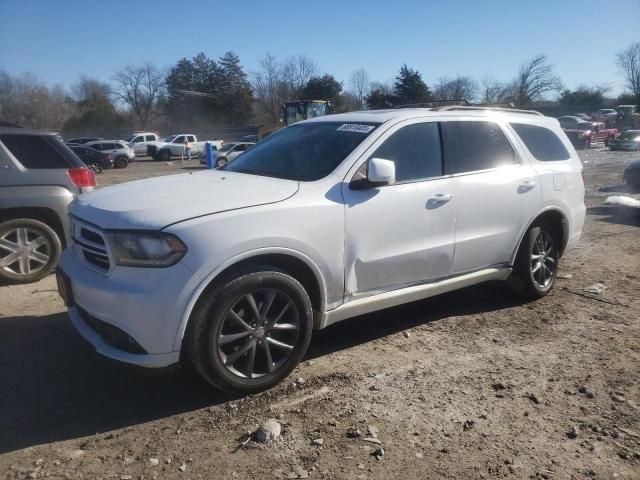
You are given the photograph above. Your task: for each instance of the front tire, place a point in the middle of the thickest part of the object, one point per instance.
(165, 155)
(221, 162)
(29, 250)
(121, 162)
(536, 266)
(250, 330)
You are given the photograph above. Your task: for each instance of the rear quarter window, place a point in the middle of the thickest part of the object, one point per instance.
(543, 143)
(37, 151)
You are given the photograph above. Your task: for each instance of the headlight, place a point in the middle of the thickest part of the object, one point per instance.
(146, 249)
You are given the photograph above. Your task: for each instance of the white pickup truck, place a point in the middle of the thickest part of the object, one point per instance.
(173, 146)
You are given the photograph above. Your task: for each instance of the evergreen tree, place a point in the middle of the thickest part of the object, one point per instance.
(234, 90)
(410, 88)
(323, 88)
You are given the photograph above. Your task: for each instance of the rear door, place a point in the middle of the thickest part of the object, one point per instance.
(495, 192)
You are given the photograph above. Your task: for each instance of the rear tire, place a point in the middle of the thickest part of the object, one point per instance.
(536, 266)
(29, 250)
(121, 162)
(244, 349)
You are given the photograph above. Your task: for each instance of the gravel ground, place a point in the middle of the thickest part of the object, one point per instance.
(472, 384)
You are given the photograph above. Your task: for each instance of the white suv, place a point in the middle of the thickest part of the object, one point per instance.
(326, 219)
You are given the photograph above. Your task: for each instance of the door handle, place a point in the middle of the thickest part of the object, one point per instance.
(526, 186)
(441, 197)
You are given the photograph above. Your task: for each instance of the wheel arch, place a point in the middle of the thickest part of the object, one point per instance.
(295, 263)
(554, 217)
(42, 214)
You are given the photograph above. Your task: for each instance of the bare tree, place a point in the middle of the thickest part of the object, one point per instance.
(359, 85)
(490, 90)
(269, 88)
(139, 87)
(459, 88)
(296, 72)
(535, 79)
(27, 101)
(629, 62)
(87, 89)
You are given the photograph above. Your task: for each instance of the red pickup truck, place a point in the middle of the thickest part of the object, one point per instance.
(583, 134)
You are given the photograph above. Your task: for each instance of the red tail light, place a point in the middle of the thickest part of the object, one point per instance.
(82, 177)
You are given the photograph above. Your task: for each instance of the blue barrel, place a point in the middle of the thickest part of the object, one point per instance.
(208, 151)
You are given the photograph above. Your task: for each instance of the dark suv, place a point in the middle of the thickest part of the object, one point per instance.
(39, 176)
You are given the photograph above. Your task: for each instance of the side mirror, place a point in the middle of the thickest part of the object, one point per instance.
(381, 172)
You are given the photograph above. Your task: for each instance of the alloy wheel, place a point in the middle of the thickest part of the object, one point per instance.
(24, 251)
(258, 333)
(543, 260)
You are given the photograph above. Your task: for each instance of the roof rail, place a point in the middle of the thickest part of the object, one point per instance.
(499, 109)
(434, 103)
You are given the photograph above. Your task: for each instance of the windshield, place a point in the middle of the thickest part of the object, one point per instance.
(305, 152)
(169, 139)
(227, 147)
(630, 135)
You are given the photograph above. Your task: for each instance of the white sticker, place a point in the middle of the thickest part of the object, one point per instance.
(355, 127)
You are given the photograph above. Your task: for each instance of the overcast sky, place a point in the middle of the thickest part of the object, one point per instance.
(59, 40)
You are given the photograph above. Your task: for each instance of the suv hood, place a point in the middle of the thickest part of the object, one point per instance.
(157, 202)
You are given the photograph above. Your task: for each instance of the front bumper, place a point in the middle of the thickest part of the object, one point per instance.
(146, 360)
(146, 304)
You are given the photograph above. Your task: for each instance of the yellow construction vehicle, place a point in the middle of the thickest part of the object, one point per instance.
(296, 111)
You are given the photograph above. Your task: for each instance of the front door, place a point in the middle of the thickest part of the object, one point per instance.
(403, 233)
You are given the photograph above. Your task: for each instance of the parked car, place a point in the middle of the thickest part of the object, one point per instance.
(629, 140)
(570, 121)
(82, 140)
(138, 141)
(95, 160)
(121, 153)
(228, 153)
(584, 116)
(250, 138)
(583, 134)
(39, 176)
(631, 174)
(607, 115)
(173, 146)
(326, 219)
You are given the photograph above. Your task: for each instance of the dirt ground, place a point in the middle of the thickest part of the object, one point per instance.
(469, 385)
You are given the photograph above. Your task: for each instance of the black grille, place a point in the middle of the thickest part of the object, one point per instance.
(111, 335)
(151, 150)
(92, 236)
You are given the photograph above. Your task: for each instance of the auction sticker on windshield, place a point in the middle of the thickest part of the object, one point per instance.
(355, 127)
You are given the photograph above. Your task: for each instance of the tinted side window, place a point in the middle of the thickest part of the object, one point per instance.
(543, 144)
(191, 138)
(415, 149)
(179, 139)
(138, 140)
(34, 151)
(473, 146)
(96, 146)
(149, 138)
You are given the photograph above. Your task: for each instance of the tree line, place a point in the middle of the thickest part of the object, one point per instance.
(203, 91)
